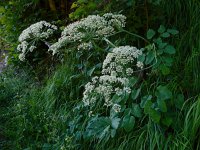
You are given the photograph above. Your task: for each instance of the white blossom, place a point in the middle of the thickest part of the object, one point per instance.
(93, 26)
(116, 108)
(28, 38)
(140, 64)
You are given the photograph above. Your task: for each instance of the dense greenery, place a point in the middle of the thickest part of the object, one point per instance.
(95, 82)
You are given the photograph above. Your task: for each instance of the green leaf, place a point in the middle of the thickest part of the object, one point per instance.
(155, 116)
(127, 111)
(115, 122)
(128, 123)
(136, 110)
(164, 69)
(116, 99)
(162, 45)
(169, 49)
(132, 81)
(113, 133)
(179, 101)
(144, 100)
(172, 31)
(161, 29)
(167, 121)
(163, 92)
(162, 105)
(168, 60)
(135, 94)
(141, 58)
(90, 72)
(165, 35)
(149, 57)
(150, 34)
(148, 106)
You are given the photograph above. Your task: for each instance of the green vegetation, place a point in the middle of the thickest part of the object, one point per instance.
(100, 75)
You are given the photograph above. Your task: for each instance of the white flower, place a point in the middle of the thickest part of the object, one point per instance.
(21, 57)
(39, 31)
(140, 64)
(129, 71)
(85, 46)
(116, 108)
(93, 26)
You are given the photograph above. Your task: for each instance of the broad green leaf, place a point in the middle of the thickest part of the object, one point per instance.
(136, 110)
(167, 121)
(115, 122)
(98, 127)
(127, 111)
(163, 92)
(128, 123)
(149, 57)
(172, 31)
(132, 81)
(135, 94)
(168, 60)
(144, 100)
(141, 58)
(150, 34)
(161, 29)
(90, 72)
(162, 45)
(148, 106)
(116, 98)
(165, 35)
(164, 69)
(169, 49)
(155, 116)
(113, 133)
(162, 105)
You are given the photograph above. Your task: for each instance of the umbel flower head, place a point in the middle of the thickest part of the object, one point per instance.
(118, 67)
(28, 38)
(94, 26)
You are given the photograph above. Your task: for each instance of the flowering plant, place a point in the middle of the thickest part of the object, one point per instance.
(30, 37)
(87, 29)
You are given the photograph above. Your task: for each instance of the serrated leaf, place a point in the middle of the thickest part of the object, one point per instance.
(172, 31)
(136, 110)
(128, 123)
(149, 57)
(169, 49)
(161, 29)
(162, 105)
(163, 92)
(165, 35)
(150, 34)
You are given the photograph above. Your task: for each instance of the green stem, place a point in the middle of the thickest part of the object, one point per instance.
(109, 42)
(138, 36)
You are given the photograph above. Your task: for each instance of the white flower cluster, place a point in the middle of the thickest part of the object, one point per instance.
(39, 31)
(117, 68)
(94, 26)
(120, 61)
